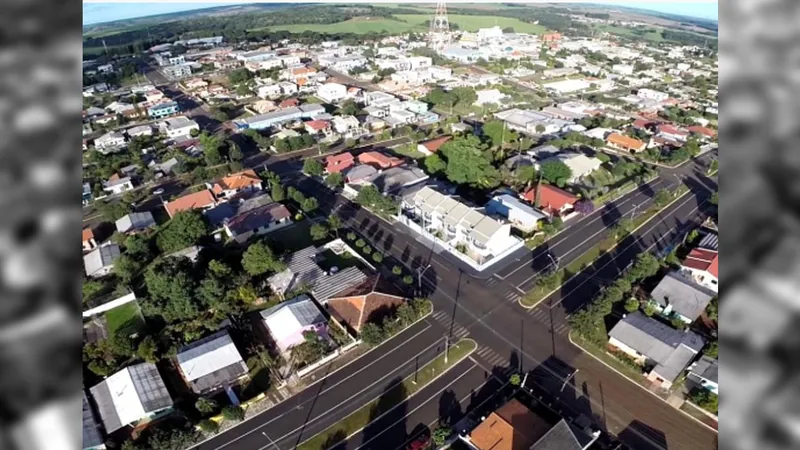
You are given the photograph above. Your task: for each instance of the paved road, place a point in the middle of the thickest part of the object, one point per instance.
(516, 336)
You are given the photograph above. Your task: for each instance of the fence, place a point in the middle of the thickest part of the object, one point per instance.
(110, 305)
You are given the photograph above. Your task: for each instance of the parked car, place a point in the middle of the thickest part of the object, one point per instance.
(158, 191)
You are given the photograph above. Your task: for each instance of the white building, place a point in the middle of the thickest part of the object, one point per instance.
(105, 68)
(118, 186)
(487, 34)
(580, 164)
(110, 140)
(624, 69)
(652, 95)
(178, 71)
(100, 262)
(178, 126)
(410, 63)
(567, 86)
(134, 393)
(342, 64)
(348, 126)
(287, 88)
(269, 91)
(332, 92)
(489, 96)
(143, 130)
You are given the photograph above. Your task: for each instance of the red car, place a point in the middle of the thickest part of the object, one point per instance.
(419, 443)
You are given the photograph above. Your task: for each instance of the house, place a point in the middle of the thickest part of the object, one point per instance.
(109, 142)
(86, 195)
(87, 236)
(653, 344)
(705, 373)
(703, 132)
(579, 164)
(347, 125)
(332, 92)
(198, 200)
(620, 142)
(368, 302)
(703, 266)
(178, 70)
(672, 132)
(92, 438)
(212, 363)
(161, 110)
(652, 95)
(338, 163)
(257, 221)
(135, 222)
(143, 130)
(362, 173)
(379, 160)
(131, 395)
(195, 84)
(552, 200)
(432, 146)
(288, 103)
(302, 271)
(519, 214)
(264, 106)
(460, 128)
(515, 427)
(178, 126)
(489, 96)
(392, 180)
(100, 262)
(678, 295)
(315, 127)
(281, 116)
(288, 321)
(235, 183)
(117, 184)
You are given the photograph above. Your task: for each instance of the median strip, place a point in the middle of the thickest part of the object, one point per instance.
(541, 292)
(398, 394)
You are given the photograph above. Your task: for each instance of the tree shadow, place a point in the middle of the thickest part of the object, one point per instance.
(406, 254)
(336, 441)
(387, 421)
(449, 408)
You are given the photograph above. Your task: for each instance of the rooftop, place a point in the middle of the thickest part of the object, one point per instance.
(685, 296)
(201, 199)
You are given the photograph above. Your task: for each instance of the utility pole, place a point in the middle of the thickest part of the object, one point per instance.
(567, 380)
(446, 347)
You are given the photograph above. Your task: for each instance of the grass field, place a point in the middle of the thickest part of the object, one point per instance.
(389, 399)
(410, 22)
(125, 319)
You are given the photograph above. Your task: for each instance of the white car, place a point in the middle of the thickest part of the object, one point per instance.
(158, 191)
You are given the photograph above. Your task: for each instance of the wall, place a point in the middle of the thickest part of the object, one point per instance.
(110, 305)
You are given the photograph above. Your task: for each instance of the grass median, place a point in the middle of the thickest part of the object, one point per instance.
(540, 292)
(389, 399)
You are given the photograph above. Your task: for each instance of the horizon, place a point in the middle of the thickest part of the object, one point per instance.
(100, 13)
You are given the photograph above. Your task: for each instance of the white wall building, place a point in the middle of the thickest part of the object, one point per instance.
(178, 126)
(489, 96)
(624, 69)
(110, 140)
(332, 92)
(652, 95)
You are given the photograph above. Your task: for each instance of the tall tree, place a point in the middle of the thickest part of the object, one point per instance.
(556, 172)
(467, 163)
(185, 228)
(259, 259)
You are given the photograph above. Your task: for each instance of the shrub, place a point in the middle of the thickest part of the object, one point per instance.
(298, 216)
(441, 434)
(649, 309)
(367, 249)
(632, 304)
(408, 279)
(346, 255)
(397, 270)
(377, 257)
(233, 413)
(205, 406)
(209, 426)
(351, 236)
(515, 380)
(360, 243)
(372, 334)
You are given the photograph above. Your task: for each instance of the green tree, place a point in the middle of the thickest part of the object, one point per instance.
(234, 152)
(645, 266)
(623, 228)
(377, 257)
(233, 413)
(259, 259)
(318, 231)
(186, 228)
(171, 289)
(148, 350)
(278, 193)
(468, 164)
(498, 134)
(515, 379)
(308, 205)
(397, 270)
(631, 304)
(372, 334)
(334, 179)
(705, 399)
(556, 172)
(540, 128)
(240, 76)
(440, 435)
(649, 309)
(211, 149)
(313, 167)
(205, 406)
(335, 224)
(208, 426)
(712, 351)
(126, 268)
(408, 279)
(434, 164)
(662, 198)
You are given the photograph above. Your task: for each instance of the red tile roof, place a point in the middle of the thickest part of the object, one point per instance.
(512, 427)
(379, 159)
(434, 144)
(625, 141)
(641, 123)
(87, 234)
(337, 163)
(703, 259)
(289, 102)
(671, 129)
(202, 199)
(702, 130)
(551, 198)
(318, 125)
(237, 181)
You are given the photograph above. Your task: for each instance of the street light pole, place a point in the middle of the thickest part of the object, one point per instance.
(446, 347)
(567, 380)
(633, 211)
(555, 263)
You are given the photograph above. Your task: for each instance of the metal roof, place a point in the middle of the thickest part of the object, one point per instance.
(707, 368)
(710, 241)
(130, 395)
(562, 437)
(685, 296)
(91, 432)
(208, 355)
(135, 221)
(100, 258)
(331, 285)
(392, 179)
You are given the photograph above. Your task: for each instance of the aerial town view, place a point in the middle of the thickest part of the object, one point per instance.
(400, 226)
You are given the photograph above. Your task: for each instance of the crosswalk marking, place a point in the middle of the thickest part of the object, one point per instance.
(444, 319)
(561, 329)
(511, 296)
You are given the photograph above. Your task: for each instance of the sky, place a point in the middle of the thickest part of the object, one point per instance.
(107, 12)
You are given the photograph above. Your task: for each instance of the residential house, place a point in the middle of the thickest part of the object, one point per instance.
(552, 200)
(287, 88)
(117, 184)
(100, 262)
(705, 373)
(109, 142)
(212, 363)
(338, 163)
(672, 132)
(178, 126)
(679, 296)
(391, 180)
(195, 84)
(652, 95)
(703, 132)
(199, 200)
(92, 438)
(135, 222)
(489, 96)
(235, 183)
(520, 215)
(515, 427)
(89, 242)
(368, 302)
(665, 351)
(360, 174)
(178, 70)
(86, 195)
(257, 221)
(288, 322)
(309, 111)
(702, 265)
(348, 126)
(625, 143)
(131, 395)
(264, 106)
(143, 130)
(379, 160)
(317, 127)
(269, 91)
(288, 103)
(580, 164)
(332, 92)
(302, 271)
(432, 146)
(161, 110)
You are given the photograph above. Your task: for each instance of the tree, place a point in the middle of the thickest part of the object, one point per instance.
(335, 223)
(623, 228)
(240, 76)
(377, 257)
(645, 266)
(334, 179)
(632, 304)
(714, 198)
(440, 435)
(498, 134)
(602, 157)
(349, 108)
(211, 149)
(259, 259)
(372, 334)
(148, 350)
(556, 172)
(308, 205)
(712, 350)
(434, 164)
(186, 228)
(313, 167)
(515, 380)
(318, 231)
(468, 164)
(705, 399)
(712, 310)
(649, 309)
(234, 152)
(540, 128)
(278, 192)
(208, 426)
(366, 249)
(172, 290)
(692, 147)
(351, 236)
(233, 413)
(205, 406)
(397, 270)
(408, 279)
(662, 198)
(126, 268)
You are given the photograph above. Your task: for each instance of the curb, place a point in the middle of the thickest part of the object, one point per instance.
(569, 336)
(593, 261)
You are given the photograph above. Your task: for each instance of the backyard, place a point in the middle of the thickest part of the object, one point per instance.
(125, 319)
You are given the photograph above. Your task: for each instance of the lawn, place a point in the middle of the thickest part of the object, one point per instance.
(292, 238)
(602, 355)
(408, 150)
(124, 319)
(389, 399)
(331, 259)
(654, 35)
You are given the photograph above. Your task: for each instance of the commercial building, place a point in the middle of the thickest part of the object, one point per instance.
(308, 111)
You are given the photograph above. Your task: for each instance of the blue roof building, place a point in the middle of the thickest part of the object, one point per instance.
(162, 110)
